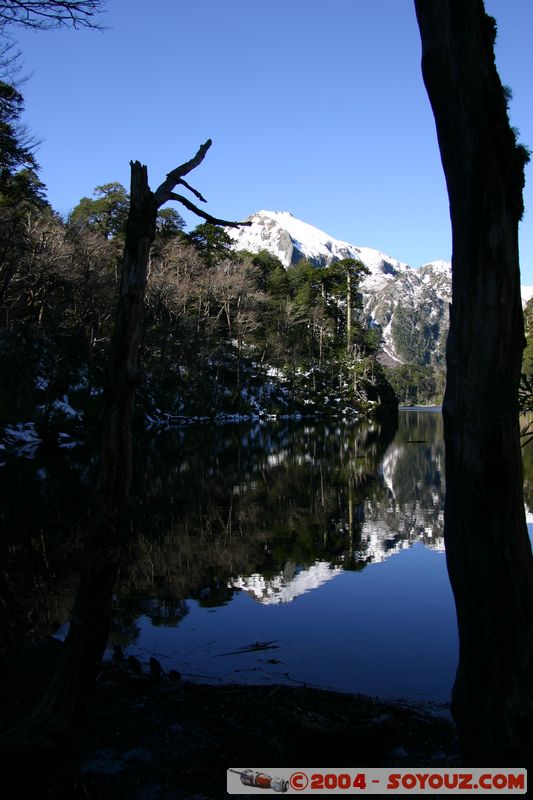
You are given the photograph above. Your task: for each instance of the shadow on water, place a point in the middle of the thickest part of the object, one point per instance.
(236, 534)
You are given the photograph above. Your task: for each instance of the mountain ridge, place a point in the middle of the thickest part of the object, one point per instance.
(410, 304)
(395, 295)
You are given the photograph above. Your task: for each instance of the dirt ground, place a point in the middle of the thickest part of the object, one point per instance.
(155, 737)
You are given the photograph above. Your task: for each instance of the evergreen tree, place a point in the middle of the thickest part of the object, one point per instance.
(107, 214)
(19, 182)
(212, 242)
(527, 359)
(169, 224)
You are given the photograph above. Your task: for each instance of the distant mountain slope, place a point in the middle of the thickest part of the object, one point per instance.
(412, 310)
(292, 240)
(410, 305)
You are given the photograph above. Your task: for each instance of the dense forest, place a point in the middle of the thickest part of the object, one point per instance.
(225, 332)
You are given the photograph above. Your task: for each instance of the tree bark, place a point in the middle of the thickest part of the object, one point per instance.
(73, 683)
(348, 312)
(487, 546)
(72, 686)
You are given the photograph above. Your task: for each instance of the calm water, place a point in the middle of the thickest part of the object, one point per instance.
(322, 540)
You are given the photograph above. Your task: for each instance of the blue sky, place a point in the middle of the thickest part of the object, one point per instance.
(314, 107)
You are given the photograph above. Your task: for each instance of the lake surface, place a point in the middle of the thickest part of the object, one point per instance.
(307, 552)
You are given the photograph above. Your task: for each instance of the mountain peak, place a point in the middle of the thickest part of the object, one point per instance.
(273, 214)
(291, 240)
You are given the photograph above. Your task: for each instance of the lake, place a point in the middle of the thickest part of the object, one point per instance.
(302, 552)
(306, 552)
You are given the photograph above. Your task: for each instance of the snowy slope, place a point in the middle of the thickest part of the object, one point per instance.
(287, 585)
(291, 239)
(390, 283)
(410, 305)
(527, 293)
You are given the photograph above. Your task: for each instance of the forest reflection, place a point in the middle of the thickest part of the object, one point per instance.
(272, 511)
(277, 510)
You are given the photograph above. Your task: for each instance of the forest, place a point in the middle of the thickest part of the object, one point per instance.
(225, 332)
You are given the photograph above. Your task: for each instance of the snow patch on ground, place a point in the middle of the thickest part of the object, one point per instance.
(22, 439)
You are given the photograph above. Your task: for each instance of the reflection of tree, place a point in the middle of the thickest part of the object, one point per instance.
(527, 463)
(211, 504)
(217, 504)
(42, 515)
(252, 500)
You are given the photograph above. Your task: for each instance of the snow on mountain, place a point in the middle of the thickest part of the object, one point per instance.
(438, 275)
(412, 311)
(527, 293)
(291, 240)
(393, 292)
(287, 585)
(410, 305)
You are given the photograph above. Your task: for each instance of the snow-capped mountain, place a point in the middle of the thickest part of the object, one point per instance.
(289, 584)
(410, 305)
(292, 240)
(412, 310)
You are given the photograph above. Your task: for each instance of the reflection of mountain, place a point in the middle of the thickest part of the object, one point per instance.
(271, 508)
(405, 504)
(277, 510)
(288, 584)
(412, 505)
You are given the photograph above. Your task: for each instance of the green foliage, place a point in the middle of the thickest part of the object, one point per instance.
(212, 242)
(106, 215)
(416, 385)
(19, 183)
(244, 335)
(415, 333)
(264, 264)
(527, 358)
(169, 223)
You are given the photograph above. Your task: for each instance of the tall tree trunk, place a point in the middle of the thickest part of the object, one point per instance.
(348, 311)
(73, 684)
(487, 546)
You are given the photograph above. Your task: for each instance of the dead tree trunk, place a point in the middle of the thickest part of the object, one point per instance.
(72, 686)
(487, 546)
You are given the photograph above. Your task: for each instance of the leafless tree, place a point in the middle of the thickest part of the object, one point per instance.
(47, 14)
(72, 686)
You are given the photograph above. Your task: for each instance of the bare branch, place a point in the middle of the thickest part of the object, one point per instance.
(203, 214)
(193, 190)
(162, 193)
(47, 14)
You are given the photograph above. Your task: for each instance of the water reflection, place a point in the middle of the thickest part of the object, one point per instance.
(280, 531)
(267, 508)
(412, 508)
(294, 519)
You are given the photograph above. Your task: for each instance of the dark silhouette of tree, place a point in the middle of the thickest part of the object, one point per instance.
(72, 686)
(48, 14)
(41, 15)
(487, 546)
(18, 167)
